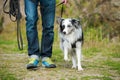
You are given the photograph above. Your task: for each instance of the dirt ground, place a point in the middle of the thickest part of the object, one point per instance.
(16, 64)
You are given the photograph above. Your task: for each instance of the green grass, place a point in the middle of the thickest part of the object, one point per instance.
(74, 78)
(5, 42)
(115, 51)
(95, 78)
(90, 52)
(114, 65)
(57, 55)
(5, 75)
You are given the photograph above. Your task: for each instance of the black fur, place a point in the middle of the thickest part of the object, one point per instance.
(80, 39)
(61, 26)
(75, 22)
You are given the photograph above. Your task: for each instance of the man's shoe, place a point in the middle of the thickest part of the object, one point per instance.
(33, 62)
(47, 63)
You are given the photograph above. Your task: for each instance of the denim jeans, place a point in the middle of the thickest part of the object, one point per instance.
(47, 15)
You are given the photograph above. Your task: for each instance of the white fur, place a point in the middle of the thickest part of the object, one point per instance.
(69, 38)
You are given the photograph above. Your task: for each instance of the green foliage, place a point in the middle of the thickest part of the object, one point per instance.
(93, 34)
(96, 13)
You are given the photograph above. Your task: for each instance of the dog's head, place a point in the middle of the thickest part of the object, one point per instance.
(68, 25)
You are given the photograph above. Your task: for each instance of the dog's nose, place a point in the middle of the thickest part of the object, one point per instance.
(64, 32)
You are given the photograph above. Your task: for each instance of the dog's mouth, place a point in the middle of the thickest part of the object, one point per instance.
(64, 33)
(67, 33)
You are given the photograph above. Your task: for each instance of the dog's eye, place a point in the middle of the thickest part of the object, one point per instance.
(63, 26)
(69, 25)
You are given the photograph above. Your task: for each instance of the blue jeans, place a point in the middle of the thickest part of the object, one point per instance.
(48, 14)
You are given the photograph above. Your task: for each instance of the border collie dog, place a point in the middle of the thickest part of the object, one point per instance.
(71, 39)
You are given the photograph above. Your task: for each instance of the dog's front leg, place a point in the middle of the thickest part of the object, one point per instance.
(74, 61)
(66, 54)
(78, 54)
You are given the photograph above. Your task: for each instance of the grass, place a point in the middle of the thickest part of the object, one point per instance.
(114, 65)
(90, 52)
(5, 75)
(95, 77)
(100, 58)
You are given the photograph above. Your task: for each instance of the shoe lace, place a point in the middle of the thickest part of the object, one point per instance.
(49, 61)
(31, 60)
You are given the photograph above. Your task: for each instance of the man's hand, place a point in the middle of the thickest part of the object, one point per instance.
(65, 1)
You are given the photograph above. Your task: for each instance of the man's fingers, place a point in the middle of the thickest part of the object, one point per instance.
(64, 1)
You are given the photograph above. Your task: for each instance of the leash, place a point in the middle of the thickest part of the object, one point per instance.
(62, 10)
(14, 11)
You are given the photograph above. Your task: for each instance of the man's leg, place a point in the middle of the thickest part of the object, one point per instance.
(48, 15)
(31, 32)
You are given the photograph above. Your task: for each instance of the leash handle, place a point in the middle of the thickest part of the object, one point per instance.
(14, 11)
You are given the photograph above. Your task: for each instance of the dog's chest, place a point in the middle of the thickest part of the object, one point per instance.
(70, 40)
(73, 37)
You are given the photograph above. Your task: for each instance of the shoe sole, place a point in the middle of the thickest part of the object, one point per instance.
(51, 66)
(31, 66)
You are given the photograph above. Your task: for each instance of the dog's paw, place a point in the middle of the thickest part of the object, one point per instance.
(80, 69)
(66, 59)
(74, 67)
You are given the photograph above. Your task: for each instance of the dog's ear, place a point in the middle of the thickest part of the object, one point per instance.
(59, 19)
(76, 22)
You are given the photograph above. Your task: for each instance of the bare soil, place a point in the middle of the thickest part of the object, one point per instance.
(16, 64)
